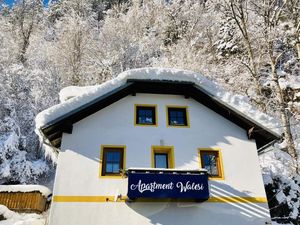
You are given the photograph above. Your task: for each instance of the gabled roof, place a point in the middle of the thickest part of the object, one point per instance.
(59, 119)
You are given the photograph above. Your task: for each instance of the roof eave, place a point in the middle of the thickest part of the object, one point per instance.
(261, 134)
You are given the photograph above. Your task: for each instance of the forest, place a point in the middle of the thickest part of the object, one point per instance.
(249, 48)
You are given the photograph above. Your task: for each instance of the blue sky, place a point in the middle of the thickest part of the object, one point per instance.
(10, 2)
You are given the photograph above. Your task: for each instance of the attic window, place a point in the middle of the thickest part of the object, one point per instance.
(145, 115)
(177, 116)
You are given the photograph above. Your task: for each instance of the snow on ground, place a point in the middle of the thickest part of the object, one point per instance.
(274, 163)
(275, 223)
(277, 167)
(25, 188)
(13, 218)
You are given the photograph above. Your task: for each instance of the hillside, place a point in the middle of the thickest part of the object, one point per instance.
(248, 48)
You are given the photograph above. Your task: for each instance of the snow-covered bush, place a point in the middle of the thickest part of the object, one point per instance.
(282, 186)
(22, 96)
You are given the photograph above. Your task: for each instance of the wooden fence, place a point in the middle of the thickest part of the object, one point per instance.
(24, 201)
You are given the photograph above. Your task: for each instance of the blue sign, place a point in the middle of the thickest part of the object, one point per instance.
(167, 185)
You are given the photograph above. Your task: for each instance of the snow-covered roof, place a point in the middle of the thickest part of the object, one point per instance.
(78, 96)
(76, 99)
(25, 188)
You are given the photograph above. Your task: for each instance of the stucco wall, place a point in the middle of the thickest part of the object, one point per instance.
(78, 164)
(159, 214)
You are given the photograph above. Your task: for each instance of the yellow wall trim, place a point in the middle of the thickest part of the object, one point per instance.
(221, 199)
(236, 199)
(60, 198)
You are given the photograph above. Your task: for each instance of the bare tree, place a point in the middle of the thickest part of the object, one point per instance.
(271, 12)
(26, 15)
(263, 51)
(237, 10)
(292, 11)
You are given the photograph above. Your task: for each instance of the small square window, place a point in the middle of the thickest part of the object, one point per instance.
(211, 161)
(161, 160)
(177, 116)
(145, 115)
(112, 159)
(162, 157)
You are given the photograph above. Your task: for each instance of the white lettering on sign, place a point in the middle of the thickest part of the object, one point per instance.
(188, 186)
(184, 187)
(141, 187)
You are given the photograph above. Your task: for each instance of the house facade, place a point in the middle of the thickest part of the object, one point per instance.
(156, 151)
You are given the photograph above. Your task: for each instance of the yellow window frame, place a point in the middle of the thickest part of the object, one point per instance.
(119, 176)
(219, 163)
(178, 107)
(166, 150)
(145, 105)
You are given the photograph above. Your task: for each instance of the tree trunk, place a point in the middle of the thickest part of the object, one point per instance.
(298, 47)
(253, 66)
(284, 116)
(23, 50)
(239, 15)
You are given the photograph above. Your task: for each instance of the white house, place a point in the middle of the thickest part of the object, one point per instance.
(134, 150)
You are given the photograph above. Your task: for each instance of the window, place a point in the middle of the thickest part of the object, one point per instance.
(211, 160)
(162, 157)
(177, 116)
(112, 160)
(145, 115)
(161, 160)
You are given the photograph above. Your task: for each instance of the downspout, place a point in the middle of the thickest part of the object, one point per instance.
(262, 149)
